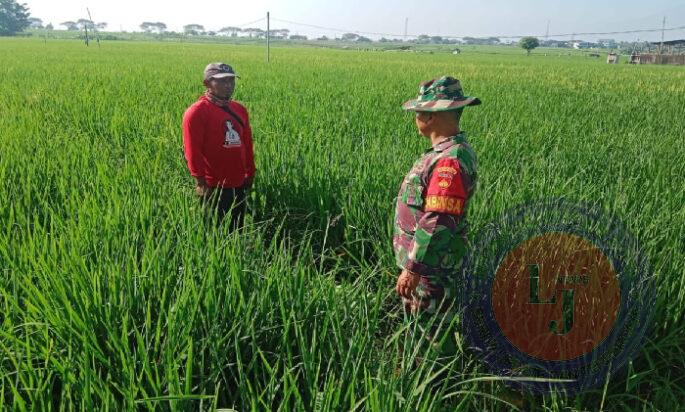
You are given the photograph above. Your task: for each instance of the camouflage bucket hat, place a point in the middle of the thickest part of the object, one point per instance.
(440, 95)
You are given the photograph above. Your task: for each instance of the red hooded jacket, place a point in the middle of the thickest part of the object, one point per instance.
(218, 143)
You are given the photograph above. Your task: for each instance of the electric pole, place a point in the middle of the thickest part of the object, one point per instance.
(268, 34)
(547, 32)
(406, 27)
(97, 36)
(663, 30)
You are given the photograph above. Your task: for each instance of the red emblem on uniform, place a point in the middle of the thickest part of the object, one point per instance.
(446, 192)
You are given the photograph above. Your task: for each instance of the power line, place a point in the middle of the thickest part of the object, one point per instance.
(336, 29)
(603, 33)
(250, 23)
(315, 26)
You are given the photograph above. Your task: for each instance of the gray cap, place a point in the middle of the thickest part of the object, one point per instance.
(219, 70)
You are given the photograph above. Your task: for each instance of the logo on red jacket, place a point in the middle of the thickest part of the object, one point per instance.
(231, 137)
(446, 192)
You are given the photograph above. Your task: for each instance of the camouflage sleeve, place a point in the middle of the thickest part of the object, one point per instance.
(437, 248)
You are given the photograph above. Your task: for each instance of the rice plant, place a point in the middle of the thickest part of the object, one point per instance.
(115, 294)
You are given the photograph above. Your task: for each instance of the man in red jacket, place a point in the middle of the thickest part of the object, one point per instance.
(217, 140)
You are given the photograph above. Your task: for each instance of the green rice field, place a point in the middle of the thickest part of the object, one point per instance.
(116, 295)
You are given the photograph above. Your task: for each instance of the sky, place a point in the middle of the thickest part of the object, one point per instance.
(445, 18)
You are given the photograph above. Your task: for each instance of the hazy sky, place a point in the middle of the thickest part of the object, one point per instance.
(456, 17)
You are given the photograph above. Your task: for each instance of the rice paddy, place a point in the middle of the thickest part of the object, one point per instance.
(116, 295)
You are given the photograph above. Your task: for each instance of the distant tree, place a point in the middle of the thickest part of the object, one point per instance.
(85, 24)
(149, 27)
(70, 25)
(488, 41)
(529, 43)
(35, 23)
(436, 39)
(211, 33)
(363, 39)
(230, 30)
(193, 29)
(253, 32)
(101, 26)
(323, 38)
(146, 26)
(298, 37)
(423, 38)
(49, 27)
(14, 17)
(383, 40)
(350, 37)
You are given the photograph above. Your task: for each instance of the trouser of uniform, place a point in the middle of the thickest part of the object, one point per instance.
(431, 312)
(224, 201)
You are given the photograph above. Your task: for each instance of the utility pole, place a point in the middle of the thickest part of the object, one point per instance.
(268, 34)
(547, 32)
(663, 30)
(406, 27)
(85, 27)
(97, 36)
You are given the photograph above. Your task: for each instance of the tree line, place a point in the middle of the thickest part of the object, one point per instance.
(199, 30)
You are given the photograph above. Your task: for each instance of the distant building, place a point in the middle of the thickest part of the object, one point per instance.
(675, 59)
(672, 52)
(607, 43)
(579, 45)
(670, 47)
(554, 43)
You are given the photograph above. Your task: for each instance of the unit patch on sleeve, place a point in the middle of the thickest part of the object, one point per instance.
(446, 192)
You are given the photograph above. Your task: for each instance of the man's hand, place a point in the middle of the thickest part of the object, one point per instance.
(201, 188)
(407, 283)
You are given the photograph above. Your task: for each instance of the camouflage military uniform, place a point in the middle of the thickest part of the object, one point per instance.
(430, 231)
(430, 220)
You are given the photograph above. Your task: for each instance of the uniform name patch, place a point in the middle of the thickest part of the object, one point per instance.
(444, 204)
(447, 169)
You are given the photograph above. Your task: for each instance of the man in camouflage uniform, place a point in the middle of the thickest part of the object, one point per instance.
(430, 217)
